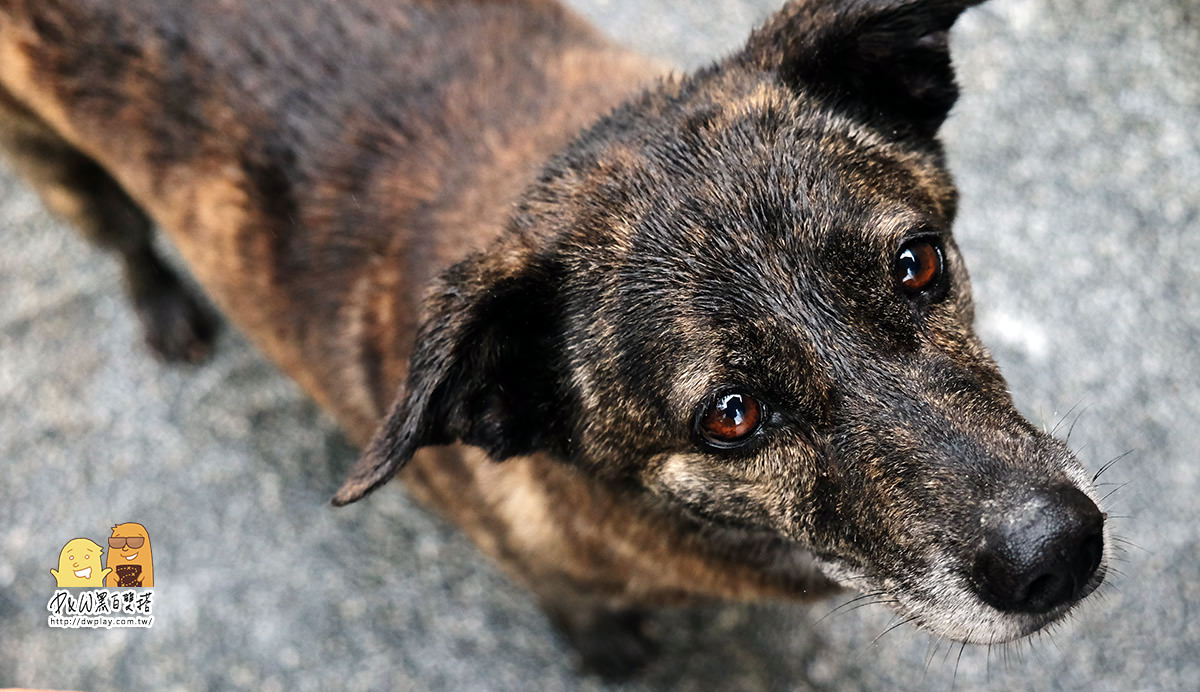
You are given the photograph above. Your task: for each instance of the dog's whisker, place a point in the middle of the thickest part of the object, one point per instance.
(888, 601)
(1053, 641)
(933, 647)
(949, 650)
(1063, 417)
(1125, 541)
(856, 599)
(864, 604)
(902, 622)
(1074, 423)
(1110, 493)
(856, 577)
(1110, 463)
(958, 661)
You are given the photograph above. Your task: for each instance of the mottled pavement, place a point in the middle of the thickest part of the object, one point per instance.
(1076, 148)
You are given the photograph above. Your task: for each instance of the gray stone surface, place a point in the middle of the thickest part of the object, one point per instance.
(1077, 152)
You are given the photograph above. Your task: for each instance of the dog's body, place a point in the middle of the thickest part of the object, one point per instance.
(322, 166)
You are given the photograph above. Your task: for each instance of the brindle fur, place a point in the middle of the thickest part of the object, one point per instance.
(480, 222)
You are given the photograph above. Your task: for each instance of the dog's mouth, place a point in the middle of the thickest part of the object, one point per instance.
(948, 608)
(996, 594)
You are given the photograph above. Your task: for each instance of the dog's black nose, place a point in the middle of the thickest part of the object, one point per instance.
(1040, 553)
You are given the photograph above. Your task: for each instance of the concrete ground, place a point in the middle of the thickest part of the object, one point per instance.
(1076, 147)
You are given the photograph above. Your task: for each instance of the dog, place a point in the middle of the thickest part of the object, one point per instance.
(648, 339)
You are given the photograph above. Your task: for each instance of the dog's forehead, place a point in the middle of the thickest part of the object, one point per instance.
(746, 219)
(764, 179)
(733, 138)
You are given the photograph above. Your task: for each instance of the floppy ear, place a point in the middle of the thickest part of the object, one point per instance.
(886, 60)
(485, 370)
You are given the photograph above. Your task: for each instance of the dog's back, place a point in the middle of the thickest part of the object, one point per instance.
(314, 163)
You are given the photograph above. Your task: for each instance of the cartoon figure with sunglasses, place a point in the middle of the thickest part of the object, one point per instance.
(129, 556)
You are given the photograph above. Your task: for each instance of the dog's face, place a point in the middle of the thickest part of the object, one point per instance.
(740, 293)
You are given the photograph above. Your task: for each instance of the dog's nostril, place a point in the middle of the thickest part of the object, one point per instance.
(1046, 588)
(1087, 557)
(1042, 555)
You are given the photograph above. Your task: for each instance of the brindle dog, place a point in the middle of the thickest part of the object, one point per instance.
(646, 338)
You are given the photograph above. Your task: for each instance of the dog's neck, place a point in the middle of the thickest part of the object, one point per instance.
(456, 194)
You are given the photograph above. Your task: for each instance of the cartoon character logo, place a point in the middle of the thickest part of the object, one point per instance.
(129, 556)
(79, 564)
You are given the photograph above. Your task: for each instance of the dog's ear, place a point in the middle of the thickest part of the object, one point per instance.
(485, 370)
(886, 60)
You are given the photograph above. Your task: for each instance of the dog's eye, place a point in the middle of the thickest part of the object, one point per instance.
(729, 419)
(918, 266)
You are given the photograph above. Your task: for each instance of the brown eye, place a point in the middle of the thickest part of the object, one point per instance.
(729, 419)
(918, 266)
